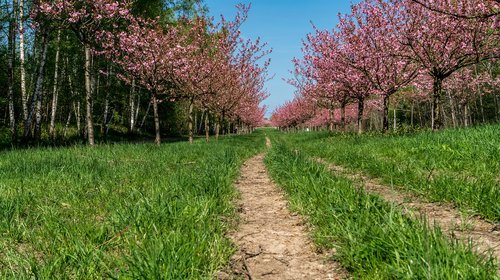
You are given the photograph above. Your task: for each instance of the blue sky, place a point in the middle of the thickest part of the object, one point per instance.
(282, 24)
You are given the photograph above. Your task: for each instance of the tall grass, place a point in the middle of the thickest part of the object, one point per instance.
(461, 166)
(119, 211)
(372, 239)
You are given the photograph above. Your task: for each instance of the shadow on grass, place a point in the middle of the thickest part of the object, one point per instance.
(113, 137)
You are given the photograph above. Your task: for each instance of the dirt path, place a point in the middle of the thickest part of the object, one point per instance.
(273, 243)
(484, 235)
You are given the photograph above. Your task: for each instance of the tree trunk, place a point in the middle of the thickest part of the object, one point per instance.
(395, 124)
(497, 102)
(10, 74)
(480, 96)
(78, 116)
(432, 113)
(385, 117)
(437, 122)
(157, 120)
(106, 132)
(207, 127)
(31, 78)
(24, 96)
(191, 121)
(195, 125)
(145, 115)
(105, 120)
(217, 127)
(481, 105)
(68, 121)
(497, 107)
(453, 113)
(330, 118)
(36, 98)
(420, 118)
(342, 116)
(200, 125)
(361, 107)
(136, 115)
(466, 115)
(223, 122)
(412, 113)
(76, 104)
(132, 108)
(52, 131)
(88, 96)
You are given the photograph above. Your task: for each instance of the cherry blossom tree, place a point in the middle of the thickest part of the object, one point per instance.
(317, 85)
(468, 9)
(371, 31)
(382, 46)
(316, 75)
(294, 113)
(208, 65)
(240, 75)
(154, 56)
(443, 44)
(336, 66)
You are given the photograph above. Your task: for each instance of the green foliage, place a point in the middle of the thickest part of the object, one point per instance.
(372, 239)
(459, 166)
(168, 10)
(119, 211)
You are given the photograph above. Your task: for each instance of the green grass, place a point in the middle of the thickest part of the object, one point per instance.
(461, 166)
(373, 240)
(119, 211)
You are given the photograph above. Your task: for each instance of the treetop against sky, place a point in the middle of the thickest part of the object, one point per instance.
(283, 24)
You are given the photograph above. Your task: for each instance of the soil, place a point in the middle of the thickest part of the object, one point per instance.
(273, 242)
(485, 236)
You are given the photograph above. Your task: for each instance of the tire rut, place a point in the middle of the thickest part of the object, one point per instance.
(485, 236)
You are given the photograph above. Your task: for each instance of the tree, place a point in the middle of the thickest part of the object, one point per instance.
(443, 44)
(466, 85)
(10, 71)
(22, 60)
(86, 18)
(371, 30)
(237, 86)
(151, 55)
(44, 28)
(469, 9)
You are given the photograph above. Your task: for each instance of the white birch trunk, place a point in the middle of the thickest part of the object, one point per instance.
(132, 108)
(22, 61)
(36, 98)
(10, 74)
(52, 130)
(88, 96)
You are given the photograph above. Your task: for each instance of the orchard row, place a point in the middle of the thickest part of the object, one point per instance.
(186, 59)
(419, 51)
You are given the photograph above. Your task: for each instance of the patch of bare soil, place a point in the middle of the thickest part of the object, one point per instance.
(273, 242)
(485, 236)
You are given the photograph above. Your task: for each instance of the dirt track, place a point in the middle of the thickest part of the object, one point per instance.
(273, 242)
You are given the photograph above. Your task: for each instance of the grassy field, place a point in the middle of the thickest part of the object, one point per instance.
(137, 211)
(119, 211)
(372, 239)
(459, 166)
